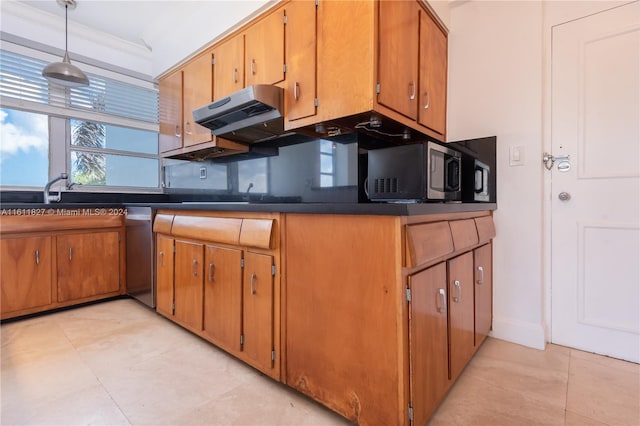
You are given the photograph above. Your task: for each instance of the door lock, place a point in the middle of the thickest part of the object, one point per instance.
(564, 162)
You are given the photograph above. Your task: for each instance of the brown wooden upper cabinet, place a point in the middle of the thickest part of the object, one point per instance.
(300, 93)
(170, 88)
(180, 93)
(412, 64)
(264, 50)
(228, 67)
(382, 56)
(197, 91)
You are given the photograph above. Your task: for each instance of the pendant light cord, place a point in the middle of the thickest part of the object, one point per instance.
(66, 24)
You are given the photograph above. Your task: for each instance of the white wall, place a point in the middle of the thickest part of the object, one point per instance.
(495, 88)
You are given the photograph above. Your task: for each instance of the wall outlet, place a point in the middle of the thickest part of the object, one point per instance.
(203, 172)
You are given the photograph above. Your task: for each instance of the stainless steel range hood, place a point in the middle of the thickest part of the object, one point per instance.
(250, 115)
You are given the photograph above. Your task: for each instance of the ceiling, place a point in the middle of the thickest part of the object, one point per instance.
(136, 21)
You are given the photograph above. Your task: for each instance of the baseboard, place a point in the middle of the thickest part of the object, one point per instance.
(520, 332)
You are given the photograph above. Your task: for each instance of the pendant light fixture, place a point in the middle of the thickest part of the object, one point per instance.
(65, 73)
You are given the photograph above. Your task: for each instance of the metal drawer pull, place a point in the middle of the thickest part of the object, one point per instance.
(412, 90)
(253, 66)
(211, 268)
(187, 128)
(37, 254)
(177, 131)
(480, 280)
(458, 297)
(161, 258)
(235, 75)
(428, 100)
(442, 301)
(70, 253)
(253, 283)
(195, 267)
(296, 94)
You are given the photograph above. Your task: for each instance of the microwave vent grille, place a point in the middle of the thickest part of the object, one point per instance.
(386, 185)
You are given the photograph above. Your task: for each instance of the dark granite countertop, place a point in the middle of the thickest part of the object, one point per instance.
(388, 209)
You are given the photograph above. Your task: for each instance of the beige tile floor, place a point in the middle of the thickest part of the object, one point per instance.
(118, 363)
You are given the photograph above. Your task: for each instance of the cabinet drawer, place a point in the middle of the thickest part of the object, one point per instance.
(428, 241)
(256, 233)
(486, 229)
(224, 230)
(162, 223)
(464, 233)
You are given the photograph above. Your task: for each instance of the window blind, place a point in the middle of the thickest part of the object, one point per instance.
(21, 80)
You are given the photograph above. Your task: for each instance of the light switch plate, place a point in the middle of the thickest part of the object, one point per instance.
(516, 155)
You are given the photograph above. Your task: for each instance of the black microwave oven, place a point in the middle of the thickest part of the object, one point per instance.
(418, 172)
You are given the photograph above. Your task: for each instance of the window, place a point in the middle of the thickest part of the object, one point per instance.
(107, 155)
(107, 131)
(24, 148)
(327, 163)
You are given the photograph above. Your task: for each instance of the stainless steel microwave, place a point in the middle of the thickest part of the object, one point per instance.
(419, 172)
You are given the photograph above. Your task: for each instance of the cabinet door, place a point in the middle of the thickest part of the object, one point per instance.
(428, 341)
(461, 316)
(264, 44)
(88, 264)
(301, 60)
(398, 56)
(170, 111)
(26, 273)
(223, 296)
(433, 75)
(483, 292)
(188, 284)
(164, 275)
(257, 317)
(197, 92)
(228, 67)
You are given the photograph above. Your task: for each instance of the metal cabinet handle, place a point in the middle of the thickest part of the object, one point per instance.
(458, 296)
(234, 75)
(70, 253)
(195, 267)
(177, 131)
(427, 99)
(253, 283)
(253, 66)
(441, 302)
(161, 258)
(480, 279)
(296, 93)
(37, 255)
(211, 268)
(412, 90)
(187, 128)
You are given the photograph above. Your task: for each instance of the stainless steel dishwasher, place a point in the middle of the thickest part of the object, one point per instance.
(140, 255)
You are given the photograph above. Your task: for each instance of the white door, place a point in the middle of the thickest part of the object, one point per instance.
(595, 120)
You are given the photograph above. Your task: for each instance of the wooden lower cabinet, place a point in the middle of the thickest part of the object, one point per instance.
(164, 275)
(461, 314)
(257, 311)
(376, 341)
(59, 260)
(188, 284)
(223, 296)
(25, 263)
(483, 260)
(222, 287)
(88, 264)
(428, 339)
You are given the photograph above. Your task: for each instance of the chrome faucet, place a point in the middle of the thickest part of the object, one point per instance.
(55, 198)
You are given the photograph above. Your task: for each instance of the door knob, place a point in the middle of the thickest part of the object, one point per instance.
(564, 196)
